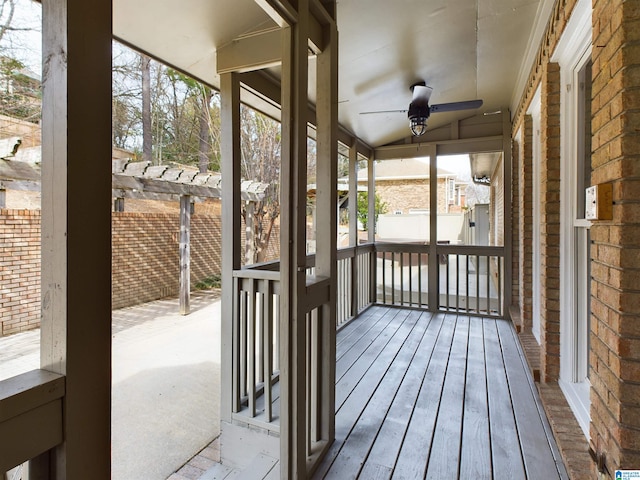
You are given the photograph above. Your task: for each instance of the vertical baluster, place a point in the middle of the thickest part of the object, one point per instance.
(401, 278)
(446, 269)
(393, 278)
(467, 284)
(276, 332)
(309, 381)
(243, 338)
(260, 322)
(267, 339)
(478, 269)
(420, 279)
(384, 277)
(236, 368)
(457, 282)
(500, 286)
(489, 259)
(251, 347)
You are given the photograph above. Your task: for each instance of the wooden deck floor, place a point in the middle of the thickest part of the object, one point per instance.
(438, 396)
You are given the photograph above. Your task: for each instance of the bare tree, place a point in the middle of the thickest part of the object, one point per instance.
(260, 143)
(204, 144)
(147, 143)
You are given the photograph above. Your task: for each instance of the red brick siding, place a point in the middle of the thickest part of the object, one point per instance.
(615, 301)
(144, 261)
(19, 270)
(145, 257)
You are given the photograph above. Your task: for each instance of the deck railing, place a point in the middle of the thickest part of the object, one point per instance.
(470, 280)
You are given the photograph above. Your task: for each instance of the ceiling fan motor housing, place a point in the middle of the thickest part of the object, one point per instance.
(418, 114)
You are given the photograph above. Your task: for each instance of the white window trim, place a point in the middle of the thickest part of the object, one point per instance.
(573, 47)
(536, 146)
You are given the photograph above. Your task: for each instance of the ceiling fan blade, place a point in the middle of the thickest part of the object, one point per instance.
(451, 107)
(421, 92)
(384, 111)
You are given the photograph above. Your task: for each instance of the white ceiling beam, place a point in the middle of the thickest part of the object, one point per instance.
(263, 49)
(251, 52)
(280, 11)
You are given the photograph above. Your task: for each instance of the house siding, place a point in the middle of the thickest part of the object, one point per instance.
(615, 300)
(614, 357)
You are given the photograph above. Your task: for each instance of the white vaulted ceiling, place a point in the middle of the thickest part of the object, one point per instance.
(464, 49)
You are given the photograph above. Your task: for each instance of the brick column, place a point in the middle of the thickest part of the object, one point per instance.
(516, 179)
(525, 222)
(550, 222)
(615, 251)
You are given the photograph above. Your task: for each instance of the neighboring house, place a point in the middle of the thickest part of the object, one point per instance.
(403, 185)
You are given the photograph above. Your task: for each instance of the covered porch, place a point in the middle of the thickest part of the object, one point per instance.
(379, 360)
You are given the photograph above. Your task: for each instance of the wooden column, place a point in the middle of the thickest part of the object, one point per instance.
(433, 285)
(371, 196)
(371, 227)
(3, 196)
(508, 222)
(230, 149)
(353, 195)
(293, 246)
(353, 223)
(327, 209)
(185, 253)
(76, 229)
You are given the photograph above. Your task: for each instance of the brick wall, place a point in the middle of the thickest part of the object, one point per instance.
(615, 301)
(524, 223)
(615, 245)
(19, 270)
(550, 222)
(145, 257)
(411, 194)
(144, 262)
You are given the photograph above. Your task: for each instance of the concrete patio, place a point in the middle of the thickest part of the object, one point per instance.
(166, 376)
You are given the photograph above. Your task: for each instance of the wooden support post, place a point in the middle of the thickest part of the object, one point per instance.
(3, 196)
(353, 195)
(508, 221)
(371, 228)
(230, 149)
(185, 253)
(353, 224)
(76, 229)
(327, 211)
(293, 325)
(371, 197)
(433, 282)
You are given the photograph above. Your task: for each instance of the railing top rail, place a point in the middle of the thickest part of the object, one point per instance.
(257, 274)
(489, 250)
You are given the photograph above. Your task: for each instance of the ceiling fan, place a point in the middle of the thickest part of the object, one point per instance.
(420, 110)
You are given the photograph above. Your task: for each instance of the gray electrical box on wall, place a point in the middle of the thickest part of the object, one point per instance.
(599, 202)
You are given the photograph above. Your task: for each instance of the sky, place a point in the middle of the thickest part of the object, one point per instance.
(26, 46)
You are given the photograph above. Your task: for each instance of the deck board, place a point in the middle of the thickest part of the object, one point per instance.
(366, 429)
(436, 396)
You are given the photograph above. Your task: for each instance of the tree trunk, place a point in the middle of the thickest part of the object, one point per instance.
(204, 146)
(145, 65)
